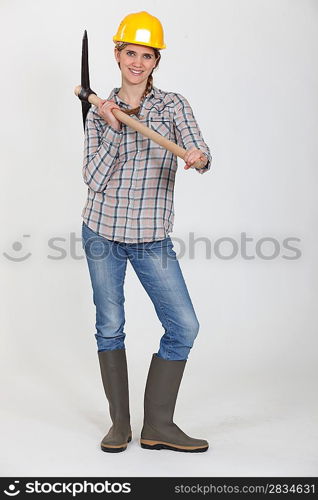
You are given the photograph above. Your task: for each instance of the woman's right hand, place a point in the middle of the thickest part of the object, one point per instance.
(105, 111)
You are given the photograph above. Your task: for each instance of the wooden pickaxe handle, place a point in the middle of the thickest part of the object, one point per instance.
(146, 131)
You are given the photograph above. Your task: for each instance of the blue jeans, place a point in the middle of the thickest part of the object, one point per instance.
(158, 270)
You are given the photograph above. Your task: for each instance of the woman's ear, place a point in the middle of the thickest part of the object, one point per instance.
(116, 53)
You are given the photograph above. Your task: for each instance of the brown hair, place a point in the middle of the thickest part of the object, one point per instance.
(120, 46)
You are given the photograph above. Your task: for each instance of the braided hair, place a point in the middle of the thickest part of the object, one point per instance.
(120, 46)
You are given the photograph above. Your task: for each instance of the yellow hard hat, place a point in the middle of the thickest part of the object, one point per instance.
(141, 28)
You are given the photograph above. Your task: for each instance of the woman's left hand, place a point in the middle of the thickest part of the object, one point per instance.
(192, 155)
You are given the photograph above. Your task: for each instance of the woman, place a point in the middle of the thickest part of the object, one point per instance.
(129, 215)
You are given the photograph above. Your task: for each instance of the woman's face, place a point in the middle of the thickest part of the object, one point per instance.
(136, 62)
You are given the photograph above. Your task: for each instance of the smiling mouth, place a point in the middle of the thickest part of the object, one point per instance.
(136, 73)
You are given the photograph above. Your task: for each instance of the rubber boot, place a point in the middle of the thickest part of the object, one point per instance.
(113, 366)
(159, 431)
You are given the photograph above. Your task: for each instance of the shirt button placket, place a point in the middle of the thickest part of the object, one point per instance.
(129, 228)
(132, 194)
(135, 174)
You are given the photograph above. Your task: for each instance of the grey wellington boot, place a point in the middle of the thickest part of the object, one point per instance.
(159, 431)
(113, 366)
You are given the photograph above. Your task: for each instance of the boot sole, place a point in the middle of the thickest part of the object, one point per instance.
(162, 445)
(116, 448)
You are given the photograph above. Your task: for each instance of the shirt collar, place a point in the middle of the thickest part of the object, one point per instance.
(155, 93)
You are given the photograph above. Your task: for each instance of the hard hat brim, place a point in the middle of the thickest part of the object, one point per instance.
(140, 43)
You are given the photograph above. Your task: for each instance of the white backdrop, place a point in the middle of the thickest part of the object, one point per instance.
(249, 70)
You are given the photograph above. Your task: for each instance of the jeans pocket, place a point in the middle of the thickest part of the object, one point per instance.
(89, 237)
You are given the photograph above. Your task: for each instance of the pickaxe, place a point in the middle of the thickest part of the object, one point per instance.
(88, 97)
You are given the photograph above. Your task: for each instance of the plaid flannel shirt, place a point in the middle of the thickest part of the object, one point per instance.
(130, 178)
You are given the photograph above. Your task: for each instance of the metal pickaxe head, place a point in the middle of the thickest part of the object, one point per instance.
(85, 87)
